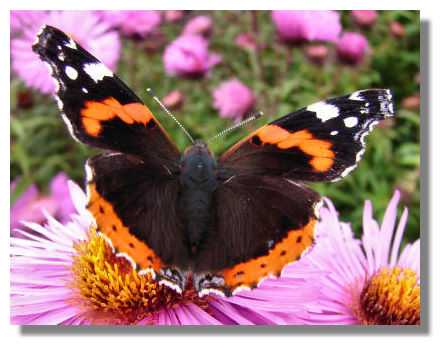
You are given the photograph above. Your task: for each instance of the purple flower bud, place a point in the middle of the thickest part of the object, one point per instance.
(317, 53)
(199, 25)
(364, 18)
(352, 48)
(173, 15)
(173, 100)
(245, 40)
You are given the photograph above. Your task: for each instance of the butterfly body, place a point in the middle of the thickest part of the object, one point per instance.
(198, 182)
(226, 223)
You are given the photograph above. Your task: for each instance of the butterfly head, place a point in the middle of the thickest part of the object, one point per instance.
(198, 163)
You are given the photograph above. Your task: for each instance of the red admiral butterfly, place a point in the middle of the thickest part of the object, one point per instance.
(229, 222)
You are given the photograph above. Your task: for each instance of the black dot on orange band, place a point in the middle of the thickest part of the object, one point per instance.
(255, 140)
(151, 124)
(239, 274)
(263, 266)
(114, 227)
(299, 239)
(131, 245)
(101, 209)
(283, 252)
(149, 258)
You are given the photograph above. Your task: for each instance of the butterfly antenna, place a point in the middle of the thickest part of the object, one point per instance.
(255, 116)
(170, 114)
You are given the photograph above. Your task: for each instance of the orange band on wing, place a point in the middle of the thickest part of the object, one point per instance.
(97, 111)
(320, 150)
(120, 236)
(290, 249)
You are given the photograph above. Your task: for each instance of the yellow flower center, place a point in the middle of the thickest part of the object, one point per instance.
(391, 296)
(111, 291)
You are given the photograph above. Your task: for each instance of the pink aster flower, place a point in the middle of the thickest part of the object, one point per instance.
(233, 99)
(85, 26)
(188, 56)
(141, 23)
(32, 205)
(367, 280)
(299, 26)
(352, 47)
(67, 274)
(199, 25)
(364, 18)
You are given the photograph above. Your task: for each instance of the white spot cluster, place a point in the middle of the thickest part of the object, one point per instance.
(324, 111)
(97, 71)
(386, 105)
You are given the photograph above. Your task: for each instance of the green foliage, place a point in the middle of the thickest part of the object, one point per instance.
(282, 79)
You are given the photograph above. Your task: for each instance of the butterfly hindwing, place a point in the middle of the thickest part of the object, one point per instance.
(135, 206)
(263, 224)
(322, 142)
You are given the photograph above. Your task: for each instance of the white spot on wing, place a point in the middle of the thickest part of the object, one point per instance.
(356, 96)
(350, 122)
(71, 44)
(97, 71)
(61, 56)
(324, 111)
(333, 133)
(85, 90)
(88, 172)
(71, 72)
(59, 102)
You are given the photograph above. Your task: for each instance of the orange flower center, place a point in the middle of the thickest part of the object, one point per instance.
(391, 296)
(110, 291)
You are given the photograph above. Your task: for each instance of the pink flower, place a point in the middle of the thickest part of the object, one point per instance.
(317, 53)
(188, 56)
(199, 25)
(173, 100)
(364, 18)
(20, 19)
(233, 99)
(32, 205)
(367, 280)
(134, 22)
(299, 26)
(245, 40)
(173, 15)
(140, 23)
(58, 272)
(352, 48)
(114, 18)
(85, 26)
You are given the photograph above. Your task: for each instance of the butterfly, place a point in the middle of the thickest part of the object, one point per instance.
(224, 223)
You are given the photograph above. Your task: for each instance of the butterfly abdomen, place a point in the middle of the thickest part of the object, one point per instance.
(198, 183)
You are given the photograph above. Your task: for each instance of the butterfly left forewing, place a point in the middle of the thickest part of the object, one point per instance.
(97, 107)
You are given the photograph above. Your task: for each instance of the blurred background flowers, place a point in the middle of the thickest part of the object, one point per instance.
(213, 68)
